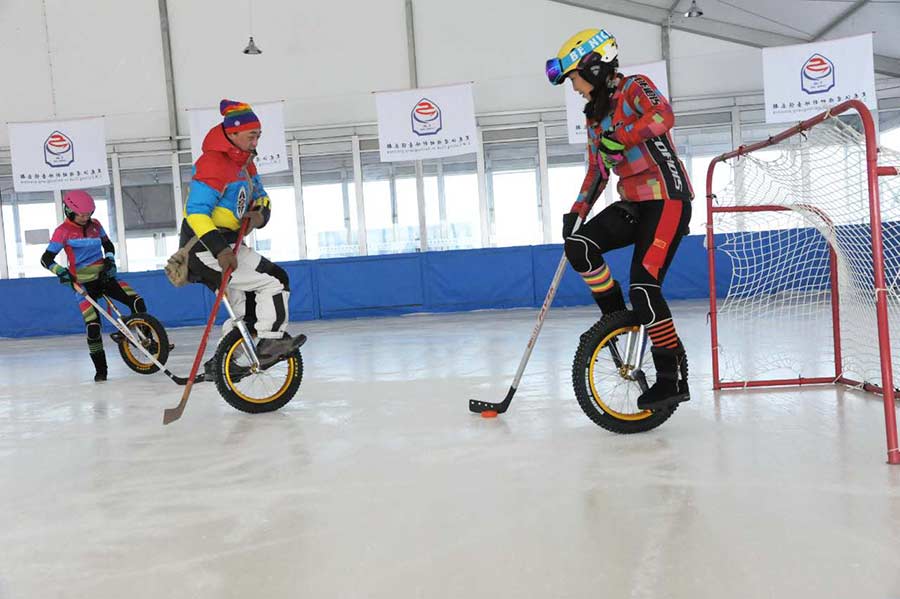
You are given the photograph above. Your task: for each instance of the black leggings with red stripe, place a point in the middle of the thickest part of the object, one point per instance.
(655, 228)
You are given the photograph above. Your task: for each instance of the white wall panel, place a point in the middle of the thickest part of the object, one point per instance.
(703, 66)
(323, 58)
(106, 57)
(24, 69)
(502, 45)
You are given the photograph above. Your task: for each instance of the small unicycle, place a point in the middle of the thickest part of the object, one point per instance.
(243, 382)
(139, 329)
(147, 331)
(612, 368)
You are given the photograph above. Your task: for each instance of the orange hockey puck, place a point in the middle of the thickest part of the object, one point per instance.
(489, 414)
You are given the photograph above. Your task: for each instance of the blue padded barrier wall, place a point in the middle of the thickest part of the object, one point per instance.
(369, 286)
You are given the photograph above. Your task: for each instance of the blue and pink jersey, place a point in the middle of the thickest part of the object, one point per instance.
(84, 248)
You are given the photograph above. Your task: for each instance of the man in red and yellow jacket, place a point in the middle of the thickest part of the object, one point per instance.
(226, 189)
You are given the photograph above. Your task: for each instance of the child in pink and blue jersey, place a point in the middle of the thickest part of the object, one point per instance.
(92, 264)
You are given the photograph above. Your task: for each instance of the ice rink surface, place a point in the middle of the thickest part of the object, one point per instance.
(376, 481)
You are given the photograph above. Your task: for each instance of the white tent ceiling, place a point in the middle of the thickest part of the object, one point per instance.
(765, 23)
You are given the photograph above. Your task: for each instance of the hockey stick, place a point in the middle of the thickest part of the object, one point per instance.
(485, 406)
(172, 414)
(179, 380)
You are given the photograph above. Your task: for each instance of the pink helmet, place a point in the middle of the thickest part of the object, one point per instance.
(78, 202)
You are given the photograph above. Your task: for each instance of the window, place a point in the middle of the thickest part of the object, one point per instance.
(329, 207)
(148, 204)
(889, 125)
(392, 211)
(29, 220)
(697, 146)
(452, 211)
(565, 169)
(513, 188)
(462, 228)
(279, 240)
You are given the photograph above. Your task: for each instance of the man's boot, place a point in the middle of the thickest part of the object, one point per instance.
(671, 386)
(271, 351)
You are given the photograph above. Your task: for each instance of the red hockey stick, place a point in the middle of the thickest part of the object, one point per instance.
(173, 414)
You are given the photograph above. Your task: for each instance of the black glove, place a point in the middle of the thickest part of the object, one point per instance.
(569, 223)
(65, 277)
(109, 269)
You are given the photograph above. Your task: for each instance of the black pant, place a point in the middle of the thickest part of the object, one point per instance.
(654, 227)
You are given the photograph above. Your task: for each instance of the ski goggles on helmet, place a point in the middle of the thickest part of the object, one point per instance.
(558, 68)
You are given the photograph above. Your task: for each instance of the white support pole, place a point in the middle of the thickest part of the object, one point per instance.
(442, 202)
(122, 249)
(737, 139)
(4, 266)
(177, 193)
(544, 199)
(58, 206)
(482, 191)
(298, 199)
(420, 202)
(360, 199)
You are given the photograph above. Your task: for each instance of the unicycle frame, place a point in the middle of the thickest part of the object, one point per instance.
(635, 349)
(110, 308)
(249, 345)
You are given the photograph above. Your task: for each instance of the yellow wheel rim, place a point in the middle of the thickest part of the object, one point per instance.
(232, 384)
(632, 416)
(133, 355)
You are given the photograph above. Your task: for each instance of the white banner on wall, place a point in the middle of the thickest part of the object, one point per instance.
(58, 155)
(655, 71)
(416, 124)
(804, 80)
(272, 150)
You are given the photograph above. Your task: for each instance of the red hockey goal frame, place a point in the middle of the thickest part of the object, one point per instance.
(873, 171)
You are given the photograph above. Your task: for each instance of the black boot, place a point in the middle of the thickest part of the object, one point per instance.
(611, 300)
(99, 360)
(271, 351)
(671, 386)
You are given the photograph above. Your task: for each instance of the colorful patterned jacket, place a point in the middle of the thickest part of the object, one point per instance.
(640, 119)
(220, 193)
(86, 247)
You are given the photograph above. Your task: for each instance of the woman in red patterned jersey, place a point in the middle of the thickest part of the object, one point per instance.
(628, 124)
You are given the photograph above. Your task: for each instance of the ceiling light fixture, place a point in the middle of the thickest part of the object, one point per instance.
(251, 49)
(693, 11)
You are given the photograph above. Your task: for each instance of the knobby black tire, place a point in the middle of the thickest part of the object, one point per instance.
(159, 347)
(595, 408)
(230, 393)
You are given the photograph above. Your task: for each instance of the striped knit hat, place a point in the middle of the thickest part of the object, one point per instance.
(237, 116)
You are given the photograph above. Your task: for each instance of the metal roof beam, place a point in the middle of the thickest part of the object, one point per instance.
(840, 19)
(729, 32)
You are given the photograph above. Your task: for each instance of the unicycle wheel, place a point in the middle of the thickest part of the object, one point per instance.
(152, 336)
(607, 390)
(254, 391)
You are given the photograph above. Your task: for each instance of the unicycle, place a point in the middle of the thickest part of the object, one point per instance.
(139, 329)
(611, 369)
(147, 331)
(243, 382)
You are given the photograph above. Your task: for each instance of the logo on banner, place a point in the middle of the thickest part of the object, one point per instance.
(426, 117)
(817, 75)
(59, 151)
